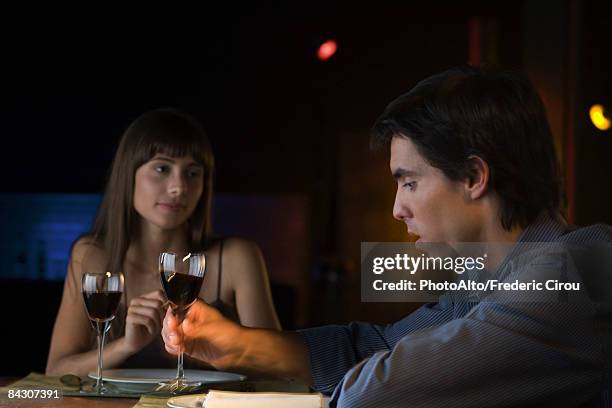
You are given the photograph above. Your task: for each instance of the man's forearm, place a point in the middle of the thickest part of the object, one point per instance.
(280, 353)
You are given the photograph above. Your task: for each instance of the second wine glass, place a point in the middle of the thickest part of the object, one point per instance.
(181, 276)
(102, 295)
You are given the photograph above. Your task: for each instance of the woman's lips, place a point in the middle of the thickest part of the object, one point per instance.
(170, 207)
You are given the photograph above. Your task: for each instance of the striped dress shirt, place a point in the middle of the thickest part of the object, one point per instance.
(499, 351)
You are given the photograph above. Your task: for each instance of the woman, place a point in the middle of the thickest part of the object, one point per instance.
(158, 198)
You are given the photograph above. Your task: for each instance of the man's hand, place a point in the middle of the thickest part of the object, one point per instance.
(205, 335)
(209, 337)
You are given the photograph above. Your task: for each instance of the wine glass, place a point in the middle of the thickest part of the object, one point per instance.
(181, 277)
(102, 294)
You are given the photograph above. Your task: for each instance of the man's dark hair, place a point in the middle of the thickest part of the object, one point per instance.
(495, 115)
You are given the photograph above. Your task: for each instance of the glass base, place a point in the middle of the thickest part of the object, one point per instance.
(178, 385)
(90, 389)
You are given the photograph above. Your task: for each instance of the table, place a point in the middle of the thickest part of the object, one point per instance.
(69, 402)
(35, 380)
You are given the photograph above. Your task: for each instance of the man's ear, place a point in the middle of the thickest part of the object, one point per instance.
(477, 182)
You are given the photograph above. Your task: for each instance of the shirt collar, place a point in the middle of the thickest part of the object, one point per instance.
(545, 228)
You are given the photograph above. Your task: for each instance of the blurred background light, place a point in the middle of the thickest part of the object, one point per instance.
(600, 117)
(327, 50)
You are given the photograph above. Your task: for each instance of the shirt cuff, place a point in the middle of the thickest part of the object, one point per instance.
(330, 355)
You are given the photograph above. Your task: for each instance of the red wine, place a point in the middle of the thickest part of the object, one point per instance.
(181, 289)
(102, 305)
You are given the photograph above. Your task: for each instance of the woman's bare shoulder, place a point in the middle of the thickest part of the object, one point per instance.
(240, 247)
(88, 252)
(243, 259)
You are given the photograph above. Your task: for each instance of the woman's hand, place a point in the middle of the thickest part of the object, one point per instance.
(205, 335)
(144, 320)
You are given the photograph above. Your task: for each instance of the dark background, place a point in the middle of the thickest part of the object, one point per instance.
(282, 123)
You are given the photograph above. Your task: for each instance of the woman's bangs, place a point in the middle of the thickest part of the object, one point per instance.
(180, 145)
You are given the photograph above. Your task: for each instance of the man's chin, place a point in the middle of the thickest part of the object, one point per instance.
(412, 237)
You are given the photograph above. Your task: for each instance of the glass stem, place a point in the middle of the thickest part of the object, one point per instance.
(180, 374)
(101, 335)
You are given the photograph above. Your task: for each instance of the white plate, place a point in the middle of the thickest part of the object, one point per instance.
(187, 401)
(141, 379)
(155, 375)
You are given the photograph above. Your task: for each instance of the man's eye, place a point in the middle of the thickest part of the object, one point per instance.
(411, 185)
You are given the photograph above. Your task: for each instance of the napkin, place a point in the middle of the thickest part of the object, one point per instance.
(229, 399)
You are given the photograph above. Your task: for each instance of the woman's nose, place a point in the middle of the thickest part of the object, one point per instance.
(177, 185)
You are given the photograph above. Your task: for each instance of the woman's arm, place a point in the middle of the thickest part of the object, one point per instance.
(72, 344)
(243, 263)
(72, 341)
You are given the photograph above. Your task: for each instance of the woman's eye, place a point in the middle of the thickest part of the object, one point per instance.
(194, 173)
(161, 169)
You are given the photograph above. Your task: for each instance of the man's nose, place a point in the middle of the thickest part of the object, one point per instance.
(401, 210)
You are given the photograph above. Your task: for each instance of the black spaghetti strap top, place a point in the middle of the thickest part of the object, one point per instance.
(226, 310)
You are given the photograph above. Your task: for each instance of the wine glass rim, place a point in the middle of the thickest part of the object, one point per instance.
(103, 273)
(101, 291)
(189, 253)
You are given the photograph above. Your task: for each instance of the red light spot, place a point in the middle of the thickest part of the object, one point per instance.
(327, 50)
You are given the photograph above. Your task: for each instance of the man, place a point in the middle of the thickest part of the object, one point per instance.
(474, 161)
